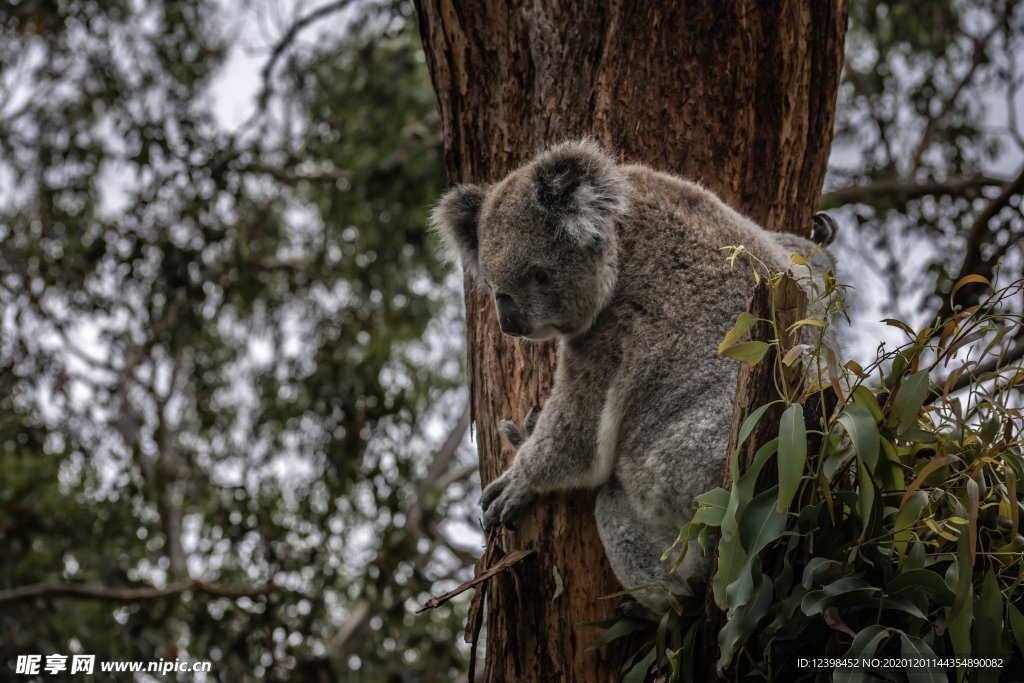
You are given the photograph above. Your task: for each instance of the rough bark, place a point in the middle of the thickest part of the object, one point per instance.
(739, 96)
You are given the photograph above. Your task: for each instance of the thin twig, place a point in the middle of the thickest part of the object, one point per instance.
(977, 58)
(1013, 354)
(108, 594)
(267, 73)
(972, 262)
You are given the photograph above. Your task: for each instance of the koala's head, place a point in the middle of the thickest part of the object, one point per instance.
(543, 240)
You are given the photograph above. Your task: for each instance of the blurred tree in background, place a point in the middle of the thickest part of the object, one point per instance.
(229, 363)
(218, 368)
(929, 151)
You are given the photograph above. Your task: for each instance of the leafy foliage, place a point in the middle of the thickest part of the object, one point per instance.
(899, 536)
(928, 146)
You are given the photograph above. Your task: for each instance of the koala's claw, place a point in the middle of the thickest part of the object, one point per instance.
(492, 491)
(512, 434)
(503, 501)
(531, 420)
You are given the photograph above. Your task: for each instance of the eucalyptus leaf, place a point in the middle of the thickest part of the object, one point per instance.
(761, 523)
(925, 580)
(988, 633)
(913, 648)
(619, 628)
(864, 646)
(743, 324)
(907, 518)
(792, 456)
(908, 401)
(863, 431)
(750, 352)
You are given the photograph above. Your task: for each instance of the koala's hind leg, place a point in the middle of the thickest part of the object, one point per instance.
(634, 550)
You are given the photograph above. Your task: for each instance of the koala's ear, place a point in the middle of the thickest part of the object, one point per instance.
(584, 186)
(455, 219)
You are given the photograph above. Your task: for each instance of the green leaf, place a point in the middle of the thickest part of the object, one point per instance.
(907, 518)
(926, 471)
(890, 468)
(960, 616)
(865, 495)
(743, 488)
(742, 622)
(864, 646)
(761, 523)
(716, 497)
(743, 324)
(820, 567)
(662, 636)
(620, 628)
(816, 601)
(750, 352)
(1016, 625)
(711, 507)
(898, 602)
(915, 435)
(687, 533)
(988, 626)
(922, 579)
(792, 454)
(912, 647)
(863, 431)
(835, 462)
(731, 560)
(638, 672)
(863, 396)
(748, 426)
(915, 558)
(689, 652)
(908, 401)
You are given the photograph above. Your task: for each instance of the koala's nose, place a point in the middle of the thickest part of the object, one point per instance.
(510, 320)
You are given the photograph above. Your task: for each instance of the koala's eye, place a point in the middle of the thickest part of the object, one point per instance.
(539, 277)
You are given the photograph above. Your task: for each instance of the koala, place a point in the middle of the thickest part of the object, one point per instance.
(623, 265)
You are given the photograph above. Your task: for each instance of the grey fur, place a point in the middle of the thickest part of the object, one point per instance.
(624, 265)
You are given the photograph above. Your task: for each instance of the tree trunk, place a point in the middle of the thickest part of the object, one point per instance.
(739, 96)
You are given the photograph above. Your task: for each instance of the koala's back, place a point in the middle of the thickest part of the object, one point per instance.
(676, 299)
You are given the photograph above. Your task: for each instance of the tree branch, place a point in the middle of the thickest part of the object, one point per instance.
(959, 186)
(291, 176)
(438, 477)
(972, 263)
(165, 323)
(977, 58)
(437, 471)
(108, 594)
(282, 44)
(350, 633)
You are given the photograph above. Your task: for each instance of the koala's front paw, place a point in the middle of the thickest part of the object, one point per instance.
(504, 500)
(512, 433)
